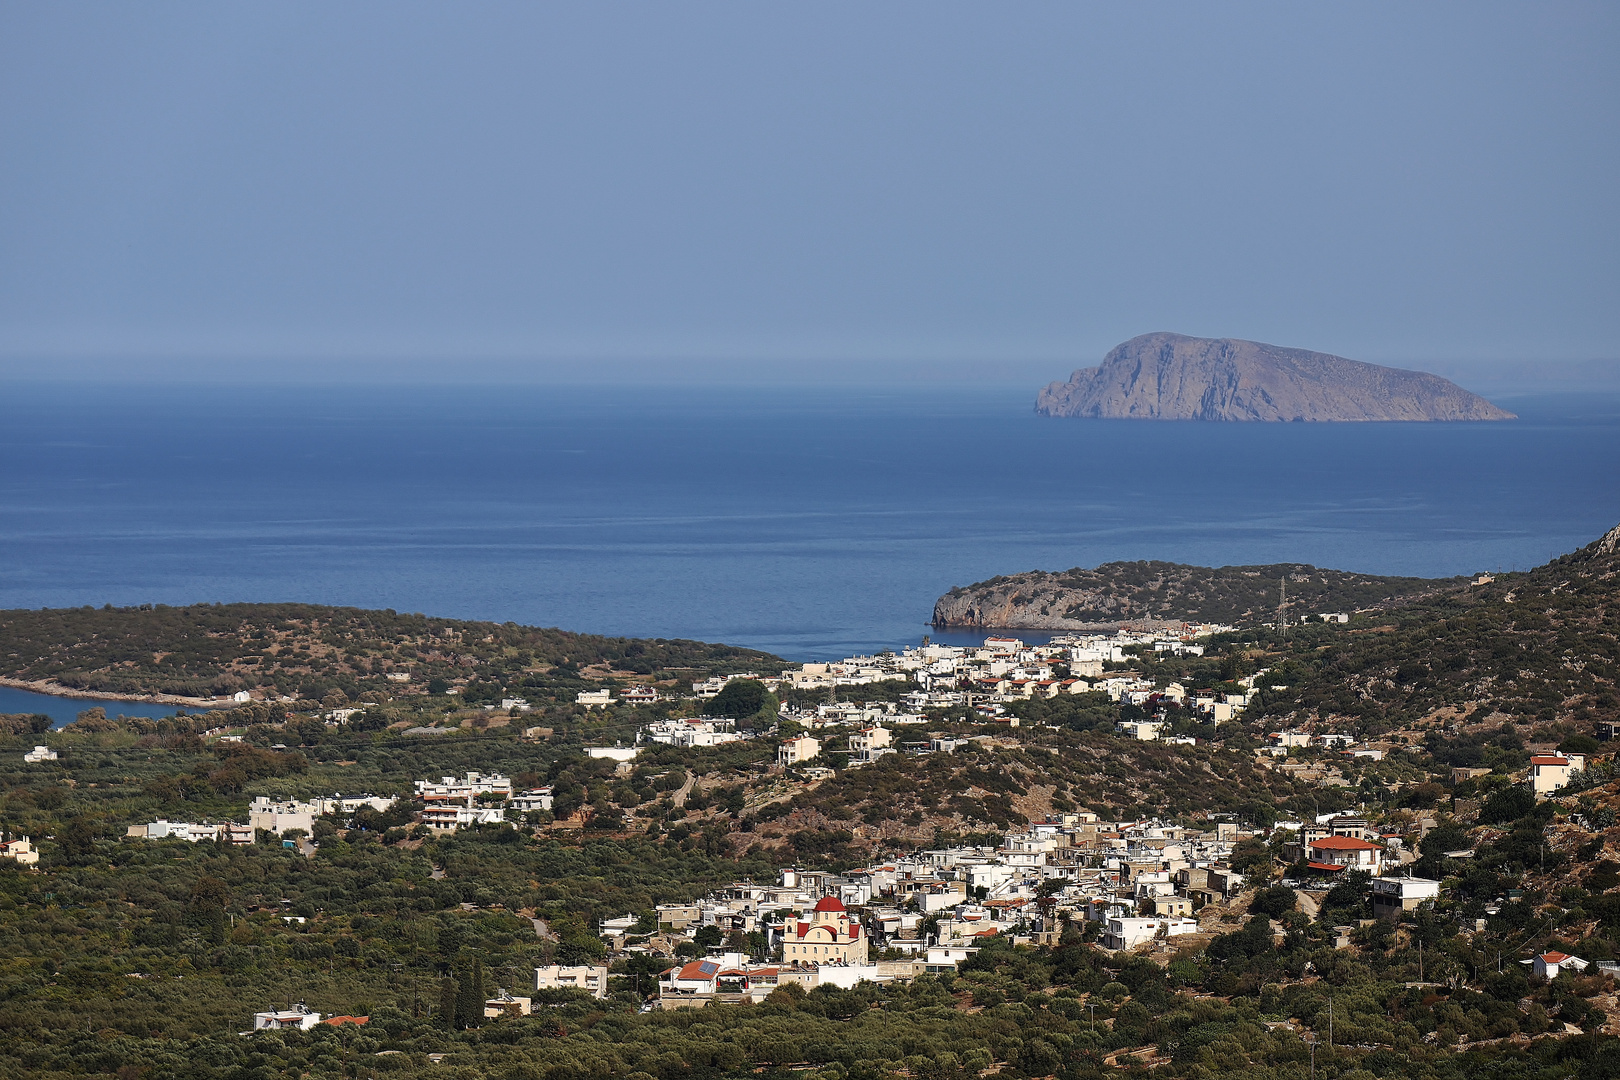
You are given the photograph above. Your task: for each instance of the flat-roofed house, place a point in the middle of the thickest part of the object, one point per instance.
(1393, 895)
(593, 980)
(795, 751)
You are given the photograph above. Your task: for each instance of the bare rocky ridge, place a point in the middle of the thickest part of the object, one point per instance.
(1173, 377)
(1144, 593)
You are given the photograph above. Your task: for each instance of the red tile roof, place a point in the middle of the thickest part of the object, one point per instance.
(1546, 759)
(336, 1021)
(1554, 957)
(1343, 843)
(699, 970)
(1330, 867)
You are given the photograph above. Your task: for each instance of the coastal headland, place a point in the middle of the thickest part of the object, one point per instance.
(1143, 593)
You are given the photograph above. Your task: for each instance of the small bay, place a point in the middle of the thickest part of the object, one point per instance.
(63, 710)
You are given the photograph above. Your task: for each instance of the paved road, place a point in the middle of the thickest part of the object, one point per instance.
(1307, 903)
(686, 788)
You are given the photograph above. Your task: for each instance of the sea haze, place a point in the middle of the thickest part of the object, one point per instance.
(809, 522)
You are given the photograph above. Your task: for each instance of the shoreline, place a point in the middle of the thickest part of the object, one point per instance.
(50, 689)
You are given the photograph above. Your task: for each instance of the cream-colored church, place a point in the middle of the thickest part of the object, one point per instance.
(826, 935)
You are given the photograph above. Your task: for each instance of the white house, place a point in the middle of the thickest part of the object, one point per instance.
(299, 1017)
(38, 754)
(163, 829)
(1549, 772)
(535, 799)
(616, 927)
(1393, 895)
(691, 731)
(1549, 964)
(1124, 933)
(20, 850)
(696, 977)
(794, 751)
(504, 1004)
(450, 818)
(593, 699)
(281, 818)
(452, 790)
(869, 744)
(593, 980)
(1334, 853)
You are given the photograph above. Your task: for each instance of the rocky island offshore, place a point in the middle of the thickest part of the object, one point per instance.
(1174, 377)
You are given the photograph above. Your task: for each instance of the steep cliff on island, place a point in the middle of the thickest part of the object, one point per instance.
(1174, 377)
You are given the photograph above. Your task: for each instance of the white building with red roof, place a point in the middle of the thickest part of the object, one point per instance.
(725, 977)
(1335, 853)
(825, 935)
(1549, 964)
(1549, 772)
(697, 977)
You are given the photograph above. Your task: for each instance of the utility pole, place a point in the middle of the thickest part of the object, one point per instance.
(1330, 1026)
(1282, 607)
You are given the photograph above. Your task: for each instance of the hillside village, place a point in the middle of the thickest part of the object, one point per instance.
(1147, 885)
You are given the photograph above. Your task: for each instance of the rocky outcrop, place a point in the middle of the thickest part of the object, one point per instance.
(1034, 601)
(1174, 377)
(1608, 543)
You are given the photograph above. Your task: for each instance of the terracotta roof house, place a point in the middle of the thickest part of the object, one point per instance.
(1346, 852)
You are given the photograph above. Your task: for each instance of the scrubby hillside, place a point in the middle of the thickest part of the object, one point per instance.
(1007, 780)
(1539, 647)
(308, 651)
(1119, 592)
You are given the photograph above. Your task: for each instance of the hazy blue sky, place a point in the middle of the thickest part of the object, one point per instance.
(1021, 183)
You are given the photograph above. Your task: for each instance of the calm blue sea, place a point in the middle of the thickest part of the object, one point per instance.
(809, 522)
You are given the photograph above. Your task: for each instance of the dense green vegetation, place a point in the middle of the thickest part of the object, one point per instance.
(145, 959)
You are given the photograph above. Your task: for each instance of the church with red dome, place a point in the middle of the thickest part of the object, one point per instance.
(826, 935)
